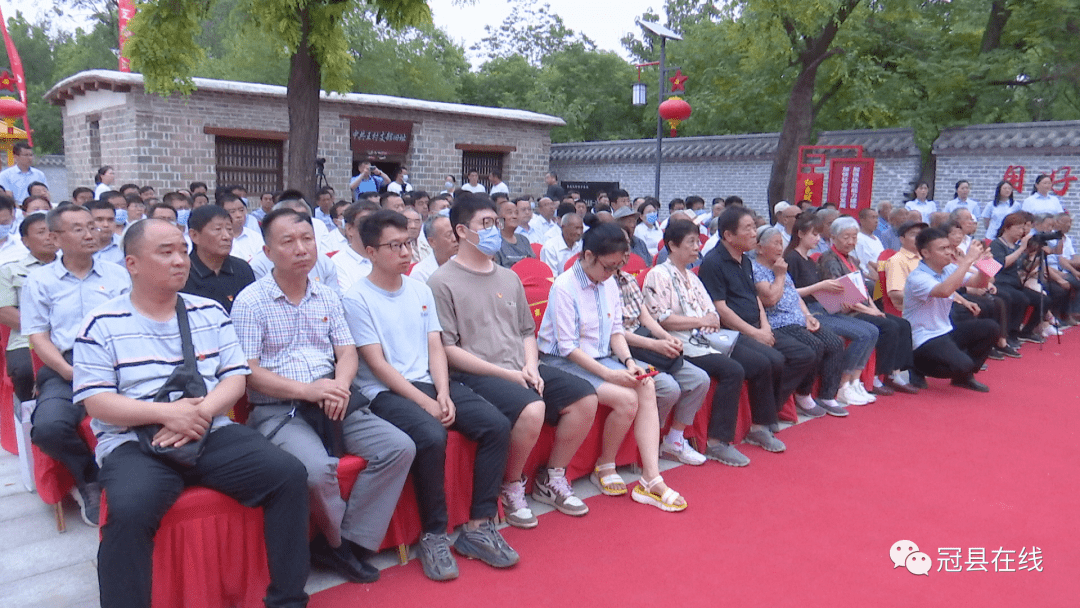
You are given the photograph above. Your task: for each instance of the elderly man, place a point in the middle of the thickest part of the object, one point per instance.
(543, 224)
(823, 220)
(868, 247)
(443, 246)
(897, 217)
(127, 351)
(899, 266)
(54, 301)
(962, 217)
(303, 360)
(247, 241)
(351, 262)
(785, 215)
(564, 244)
(515, 247)
(944, 349)
(215, 274)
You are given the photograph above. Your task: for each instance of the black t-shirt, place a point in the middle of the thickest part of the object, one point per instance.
(556, 193)
(223, 287)
(1008, 274)
(803, 271)
(732, 282)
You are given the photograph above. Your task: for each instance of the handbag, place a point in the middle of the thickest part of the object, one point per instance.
(664, 364)
(185, 381)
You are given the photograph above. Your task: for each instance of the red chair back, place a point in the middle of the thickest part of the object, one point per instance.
(536, 278)
(571, 261)
(536, 247)
(635, 265)
(815, 256)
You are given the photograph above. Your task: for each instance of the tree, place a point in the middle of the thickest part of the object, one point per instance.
(530, 32)
(163, 46)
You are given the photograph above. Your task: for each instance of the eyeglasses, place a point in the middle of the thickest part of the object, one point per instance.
(82, 230)
(488, 222)
(395, 246)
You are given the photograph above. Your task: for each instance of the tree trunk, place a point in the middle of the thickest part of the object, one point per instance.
(798, 119)
(995, 26)
(305, 81)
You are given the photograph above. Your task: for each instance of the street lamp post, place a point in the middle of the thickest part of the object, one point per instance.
(664, 34)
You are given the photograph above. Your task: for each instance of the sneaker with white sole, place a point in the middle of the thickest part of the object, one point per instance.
(89, 501)
(764, 439)
(518, 513)
(435, 557)
(849, 395)
(553, 488)
(870, 398)
(487, 545)
(681, 452)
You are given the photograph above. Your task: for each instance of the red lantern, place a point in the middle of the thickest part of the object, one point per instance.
(674, 110)
(11, 108)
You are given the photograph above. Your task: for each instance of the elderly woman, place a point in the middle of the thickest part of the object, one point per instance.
(862, 336)
(678, 300)
(787, 314)
(894, 349)
(582, 333)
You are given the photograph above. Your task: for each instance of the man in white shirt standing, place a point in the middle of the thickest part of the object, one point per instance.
(474, 184)
(401, 183)
(563, 245)
(17, 178)
(497, 185)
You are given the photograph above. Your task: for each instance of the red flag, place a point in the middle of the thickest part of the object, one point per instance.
(126, 10)
(16, 67)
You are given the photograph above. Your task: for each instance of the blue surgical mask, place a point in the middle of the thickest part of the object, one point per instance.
(121, 216)
(652, 217)
(449, 185)
(405, 178)
(182, 217)
(490, 241)
(5, 230)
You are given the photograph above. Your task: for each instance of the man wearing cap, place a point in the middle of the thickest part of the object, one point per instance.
(627, 218)
(900, 265)
(785, 215)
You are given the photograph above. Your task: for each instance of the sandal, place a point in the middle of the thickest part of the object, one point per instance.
(668, 501)
(611, 484)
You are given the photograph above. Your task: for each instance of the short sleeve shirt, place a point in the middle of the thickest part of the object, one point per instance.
(399, 321)
(221, 287)
(580, 314)
(928, 315)
(787, 310)
(732, 282)
(56, 301)
(118, 350)
(12, 278)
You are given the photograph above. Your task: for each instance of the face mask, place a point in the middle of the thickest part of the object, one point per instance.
(121, 216)
(405, 178)
(490, 241)
(182, 216)
(449, 185)
(651, 217)
(5, 230)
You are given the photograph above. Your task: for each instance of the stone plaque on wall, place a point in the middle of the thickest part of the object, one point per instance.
(379, 137)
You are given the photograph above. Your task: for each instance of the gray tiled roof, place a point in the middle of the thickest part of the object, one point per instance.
(875, 142)
(712, 146)
(1031, 135)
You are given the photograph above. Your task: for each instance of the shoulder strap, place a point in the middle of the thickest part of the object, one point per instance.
(185, 332)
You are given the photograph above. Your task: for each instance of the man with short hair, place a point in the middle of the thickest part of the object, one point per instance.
(884, 209)
(148, 192)
(369, 178)
(82, 195)
(215, 274)
(472, 183)
(127, 349)
(11, 248)
(488, 332)
(443, 247)
(336, 239)
(415, 226)
(823, 220)
(196, 187)
(324, 270)
(899, 266)
(17, 178)
(324, 200)
(396, 329)
(392, 201)
(497, 184)
(109, 249)
(246, 242)
(54, 301)
(515, 247)
(727, 274)
(266, 204)
(162, 211)
(620, 199)
(868, 247)
(351, 261)
(41, 247)
(303, 361)
(897, 217)
(401, 184)
(564, 244)
(944, 349)
(554, 191)
(39, 189)
(963, 218)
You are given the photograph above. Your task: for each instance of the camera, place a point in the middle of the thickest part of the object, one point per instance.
(320, 166)
(1043, 237)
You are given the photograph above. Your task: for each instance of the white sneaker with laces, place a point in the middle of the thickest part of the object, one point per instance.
(865, 394)
(682, 452)
(518, 513)
(849, 395)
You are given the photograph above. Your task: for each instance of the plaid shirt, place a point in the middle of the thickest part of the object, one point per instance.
(295, 342)
(632, 300)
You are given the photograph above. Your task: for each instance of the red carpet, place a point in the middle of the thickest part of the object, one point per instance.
(813, 526)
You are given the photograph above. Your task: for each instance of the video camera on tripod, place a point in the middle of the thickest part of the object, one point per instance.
(1043, 237)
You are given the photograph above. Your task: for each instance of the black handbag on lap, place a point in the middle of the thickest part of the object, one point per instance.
(185, 381)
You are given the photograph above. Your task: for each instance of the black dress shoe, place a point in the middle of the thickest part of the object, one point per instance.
(900, 388)
(916, 379)
(342, 561)
(971, 383)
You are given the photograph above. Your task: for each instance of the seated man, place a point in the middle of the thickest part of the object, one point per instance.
(109, 249)
(443, 247)
(247, 242)
(727, 274)
(351, 261)
(302, 361)
(899, 266)
(868, 247)
(404, 375)
(34, 230)
(214, 273)
(564, 244)
(324, 270)
(487, 329)
(336, 239)
(126, 351)
(54, 301)
(11, 247)
(942, 349)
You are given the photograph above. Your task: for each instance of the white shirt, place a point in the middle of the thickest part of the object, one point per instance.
(556, 252)
(471, 188)
(652, 236)
(247, 245)
(1037, 203)
(396, 187)
(333, 241)
(970, 204)
(12, 249)
(500, 187)
(924, 207)
(867, 249)
(541, 229)
(425, 268)
(101, 189)
(351, 267)
(710, 244)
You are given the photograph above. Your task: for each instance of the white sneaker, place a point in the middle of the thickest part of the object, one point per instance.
(682, 452)
(865, 394)
(849, 395)
(1052, 331)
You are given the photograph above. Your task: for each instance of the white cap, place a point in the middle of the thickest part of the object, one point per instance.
(780, 207)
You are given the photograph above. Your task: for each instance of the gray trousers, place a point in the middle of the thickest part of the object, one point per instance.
(683, 390)
(388, 451)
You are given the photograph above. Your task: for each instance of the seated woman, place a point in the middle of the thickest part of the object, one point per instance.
(582, 333)
(787, 314)
(1008, 249)
(990, 306)
(1047, 282)
(862, 336)
(678, 300)
(894, 351)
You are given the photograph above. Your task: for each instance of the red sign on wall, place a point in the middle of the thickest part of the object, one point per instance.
(809, 187)
(379, 137)
(851, 183)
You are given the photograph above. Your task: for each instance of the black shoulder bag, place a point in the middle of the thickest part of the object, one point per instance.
(185, 381)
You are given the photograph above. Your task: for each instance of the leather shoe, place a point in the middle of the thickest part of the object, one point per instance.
(900, 388)
(916, 379)
(971, 383)
(882, 391)
(342, 561)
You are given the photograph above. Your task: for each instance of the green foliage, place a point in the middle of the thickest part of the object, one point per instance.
(529, 31)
